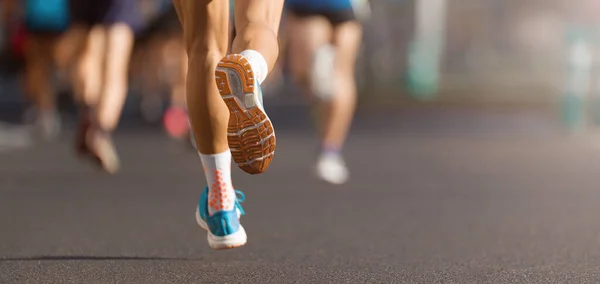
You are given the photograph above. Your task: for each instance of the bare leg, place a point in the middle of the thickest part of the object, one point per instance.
(174, 57)
(205, 26)
(336, 99)
(119, 39)
(173, 50)
(39, 87)
(339, 114)
(37, 72)
(68, 48)
(102, 85)
(88, 81)
(257, 26)
(309, 35)
(250, 133)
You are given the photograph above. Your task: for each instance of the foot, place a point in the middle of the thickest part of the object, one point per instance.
(250, 132)
(104, 151)
(332, 169)
(83, 129)
(223, 227)
(93, 142)
(48, 125)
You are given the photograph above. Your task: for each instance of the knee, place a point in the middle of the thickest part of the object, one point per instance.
(344, 69)
(203, 54)
(256, 24)
(345, 86)
(298, 72)
(257, 30)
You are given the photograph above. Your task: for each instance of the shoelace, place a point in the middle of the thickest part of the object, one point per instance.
(239, 198)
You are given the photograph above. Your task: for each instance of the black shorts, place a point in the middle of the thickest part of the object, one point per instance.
(165, 24)
(335, 17)
(106, 12)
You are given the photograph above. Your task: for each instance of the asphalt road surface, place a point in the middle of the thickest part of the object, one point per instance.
(436, 196)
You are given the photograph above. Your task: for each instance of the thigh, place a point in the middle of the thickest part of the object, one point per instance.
(69, 46)
(38, 67)
(35, 59)
(305, 36)
(267, 12)
(347, 41)
(119, 43)
(205, 24)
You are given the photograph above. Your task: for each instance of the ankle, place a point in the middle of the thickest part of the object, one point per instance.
(258, 63)
(329, 150)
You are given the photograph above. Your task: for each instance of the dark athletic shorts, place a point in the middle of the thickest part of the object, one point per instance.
(335, 17)
(106, 12)
(165, 24)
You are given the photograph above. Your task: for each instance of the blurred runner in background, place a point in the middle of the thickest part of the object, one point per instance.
(39, 38)
(162, 62)
(106, 28)
(324, 38)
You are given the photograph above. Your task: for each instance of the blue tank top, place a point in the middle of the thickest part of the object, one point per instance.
(47, 15)
(320, 5)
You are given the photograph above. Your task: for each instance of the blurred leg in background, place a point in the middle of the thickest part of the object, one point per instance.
(324, 41)
(101, 77)
(160, 64)
(45, 23)
(39, 87)
(176, 121)
(145, 73)
(173, 64)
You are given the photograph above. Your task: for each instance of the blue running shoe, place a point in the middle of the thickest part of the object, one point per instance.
(224, 228)
(250, 132)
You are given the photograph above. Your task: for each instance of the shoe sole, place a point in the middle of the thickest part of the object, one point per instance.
(108, 156)
(104, 156)
(235, 240)
(250, 132)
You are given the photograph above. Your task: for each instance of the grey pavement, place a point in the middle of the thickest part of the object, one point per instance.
(437, 196)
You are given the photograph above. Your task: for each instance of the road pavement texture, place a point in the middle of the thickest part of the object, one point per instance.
(436, 196)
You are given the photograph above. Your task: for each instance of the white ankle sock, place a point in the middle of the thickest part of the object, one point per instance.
(217, 169)
(258, 63)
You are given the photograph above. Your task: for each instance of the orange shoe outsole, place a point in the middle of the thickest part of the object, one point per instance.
(250, 132)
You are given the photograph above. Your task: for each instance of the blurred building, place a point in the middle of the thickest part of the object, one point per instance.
(508, 51)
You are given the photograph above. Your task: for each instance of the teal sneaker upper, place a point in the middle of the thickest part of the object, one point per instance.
(260, 96)
(222, 223)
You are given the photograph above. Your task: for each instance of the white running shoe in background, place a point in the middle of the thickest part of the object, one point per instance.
(332, 169)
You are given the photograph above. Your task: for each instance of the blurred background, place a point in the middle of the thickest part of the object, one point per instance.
(462, 139)
(483, 52)
(487, 52)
